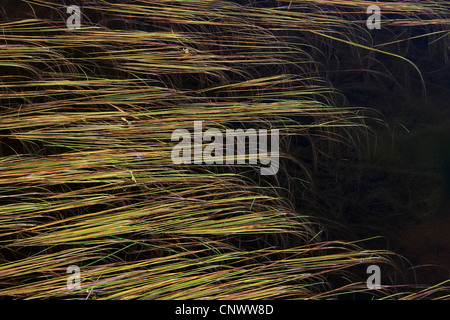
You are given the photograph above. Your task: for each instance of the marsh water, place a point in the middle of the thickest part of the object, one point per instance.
(401, 189)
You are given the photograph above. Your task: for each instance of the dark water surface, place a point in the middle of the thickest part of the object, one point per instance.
(406, 179)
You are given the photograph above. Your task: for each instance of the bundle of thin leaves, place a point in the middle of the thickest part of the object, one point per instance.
(86, 175)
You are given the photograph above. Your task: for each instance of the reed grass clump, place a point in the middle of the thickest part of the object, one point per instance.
(86, 176)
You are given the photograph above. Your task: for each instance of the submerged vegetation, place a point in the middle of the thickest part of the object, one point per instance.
(86, 176)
